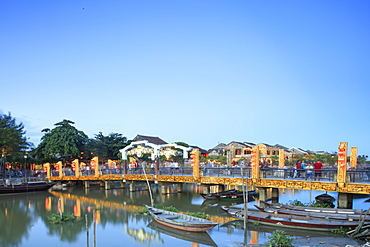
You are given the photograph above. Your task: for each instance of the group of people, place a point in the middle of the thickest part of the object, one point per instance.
(308, 170)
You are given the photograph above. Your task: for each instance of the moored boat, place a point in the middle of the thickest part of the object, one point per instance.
(180, 221)
(212, 196)
(235, 196)
(334, 216)
(228, 195)
(25, 187)
(291, 221)
(315, 209)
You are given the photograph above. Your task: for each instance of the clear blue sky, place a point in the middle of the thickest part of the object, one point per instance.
(294, 73)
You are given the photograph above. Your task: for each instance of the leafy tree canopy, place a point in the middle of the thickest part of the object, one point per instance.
(62, 141)
(107, 146)
(12, 139)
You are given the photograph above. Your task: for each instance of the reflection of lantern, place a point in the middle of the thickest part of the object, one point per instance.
(56, 166)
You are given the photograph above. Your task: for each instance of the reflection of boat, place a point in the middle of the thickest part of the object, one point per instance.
(314, 209)
(180, 221)
(195, 237)
(25, 187)
(291, 221)
(239, 224)
(334, 216)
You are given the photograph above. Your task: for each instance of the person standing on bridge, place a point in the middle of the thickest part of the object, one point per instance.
(309, 171)
(303, 167)
(317, 166)
(298, 167)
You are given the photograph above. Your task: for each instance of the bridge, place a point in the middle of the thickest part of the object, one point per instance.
(275, 178)
(339, 179)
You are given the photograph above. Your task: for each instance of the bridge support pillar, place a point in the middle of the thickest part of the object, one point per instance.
(107, 185)
(122, 184)
(345, 200)
(275, 195)
(262, 191)
(87, 184)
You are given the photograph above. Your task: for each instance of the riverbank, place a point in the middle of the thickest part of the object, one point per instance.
(322, 242)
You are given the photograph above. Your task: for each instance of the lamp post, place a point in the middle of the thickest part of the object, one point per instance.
(25, 161)
(25, 164)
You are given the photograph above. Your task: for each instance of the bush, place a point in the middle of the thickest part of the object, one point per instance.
(280, 239)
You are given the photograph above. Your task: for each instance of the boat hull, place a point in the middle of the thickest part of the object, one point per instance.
(227, 195)
(289, 221)
(333, 216)
(25, 188)
(314, 209)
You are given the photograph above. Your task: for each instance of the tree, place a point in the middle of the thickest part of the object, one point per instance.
(107, 146)
(12, 139)
(362, 159)
(62, 141)
(13, 143)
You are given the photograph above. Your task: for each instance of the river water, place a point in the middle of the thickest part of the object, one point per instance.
(109, 218)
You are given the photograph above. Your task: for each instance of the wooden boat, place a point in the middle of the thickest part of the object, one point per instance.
(334, 216)
(291, 221)
(212, 196)
(315, 209)
(26, 187)
(180, 221)
(193, 237)
(227, 195)
(234, 196)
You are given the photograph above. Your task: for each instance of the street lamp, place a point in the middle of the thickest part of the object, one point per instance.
(25, 161)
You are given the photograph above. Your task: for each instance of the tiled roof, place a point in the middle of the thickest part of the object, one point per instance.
(202, 151)
(151, 139)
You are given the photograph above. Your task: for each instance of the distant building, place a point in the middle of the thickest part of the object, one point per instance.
(219, 150)
(202, 152)
(151, 139)
(298, 151)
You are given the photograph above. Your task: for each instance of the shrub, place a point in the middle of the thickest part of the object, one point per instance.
(280, 239)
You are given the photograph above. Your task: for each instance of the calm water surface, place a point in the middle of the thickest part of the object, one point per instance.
(24, 219)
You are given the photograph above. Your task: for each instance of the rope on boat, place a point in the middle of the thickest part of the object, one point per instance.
(362, 229)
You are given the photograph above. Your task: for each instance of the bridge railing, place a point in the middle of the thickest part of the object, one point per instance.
(330, 174)
(289, 173)
(358, 176)
(226, 172)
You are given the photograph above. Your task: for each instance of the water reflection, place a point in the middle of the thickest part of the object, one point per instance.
(193, 237)
(108, 218)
